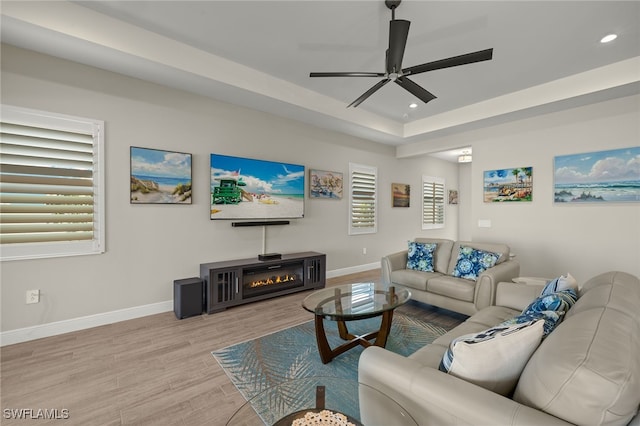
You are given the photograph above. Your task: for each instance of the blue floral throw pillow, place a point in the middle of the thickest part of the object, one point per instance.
(472, 262)
(420, 256)
(549, 307)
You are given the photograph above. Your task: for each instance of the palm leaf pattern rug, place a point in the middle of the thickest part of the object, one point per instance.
(292, 353)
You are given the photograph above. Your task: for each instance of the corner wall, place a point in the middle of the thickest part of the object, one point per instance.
(548, 238)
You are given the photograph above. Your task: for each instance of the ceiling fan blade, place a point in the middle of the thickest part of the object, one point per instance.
(346, 74)
(368, 93)
(419, 92)
(398, 33)
(469, 58)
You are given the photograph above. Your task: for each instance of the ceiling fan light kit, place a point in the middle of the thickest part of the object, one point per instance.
(398, 34)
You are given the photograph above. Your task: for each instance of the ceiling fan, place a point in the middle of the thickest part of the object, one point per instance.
(398, 32)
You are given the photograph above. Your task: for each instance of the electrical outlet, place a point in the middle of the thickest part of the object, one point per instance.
(33, 296)
(364, 250)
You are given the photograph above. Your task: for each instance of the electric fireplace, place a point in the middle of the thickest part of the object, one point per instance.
(271, 278)
(235, 282)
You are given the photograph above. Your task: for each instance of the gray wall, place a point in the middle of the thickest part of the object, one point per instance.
(148, 246)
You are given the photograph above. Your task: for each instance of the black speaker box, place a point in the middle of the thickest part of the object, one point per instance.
(188, 297)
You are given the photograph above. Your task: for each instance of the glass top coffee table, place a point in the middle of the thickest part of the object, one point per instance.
(305, 400)
(351, 302)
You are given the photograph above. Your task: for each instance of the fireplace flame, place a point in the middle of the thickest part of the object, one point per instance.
(273, 280)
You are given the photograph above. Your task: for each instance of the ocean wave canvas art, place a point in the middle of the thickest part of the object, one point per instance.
(597, 177)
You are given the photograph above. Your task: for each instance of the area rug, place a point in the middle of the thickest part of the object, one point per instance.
(292, 353)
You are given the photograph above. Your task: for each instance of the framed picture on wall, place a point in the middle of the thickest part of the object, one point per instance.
(401, 194)
(508, 185)
(160, 177)
(453, 196)
(325, 184)
(597, 177)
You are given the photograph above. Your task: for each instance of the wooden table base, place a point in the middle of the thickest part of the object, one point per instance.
(327, 354)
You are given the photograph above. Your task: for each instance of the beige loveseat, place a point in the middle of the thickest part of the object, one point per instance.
(440, 288)
(586, 371)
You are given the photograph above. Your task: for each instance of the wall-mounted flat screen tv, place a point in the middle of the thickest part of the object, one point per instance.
(245, 188)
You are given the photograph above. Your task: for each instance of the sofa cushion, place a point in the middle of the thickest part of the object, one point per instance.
(588, 370)
(442, 253)
(412, 279)
(471, 262)
(495, 357)
(420, 256)
(451, 287)
(501, 249)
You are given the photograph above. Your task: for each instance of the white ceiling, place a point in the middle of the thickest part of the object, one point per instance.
(547, 55)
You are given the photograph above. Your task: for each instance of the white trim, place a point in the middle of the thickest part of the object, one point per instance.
(74, 324)
(353, 270)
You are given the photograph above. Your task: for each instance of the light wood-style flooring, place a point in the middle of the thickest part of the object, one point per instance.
(155, 370)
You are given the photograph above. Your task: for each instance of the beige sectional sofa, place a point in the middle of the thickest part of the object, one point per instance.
(440, 288)
(586, 371)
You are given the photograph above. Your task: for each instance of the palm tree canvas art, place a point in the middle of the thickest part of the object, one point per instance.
(508, 185)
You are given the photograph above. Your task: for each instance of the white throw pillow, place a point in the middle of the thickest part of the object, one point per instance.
(495, 357)
(560, 284)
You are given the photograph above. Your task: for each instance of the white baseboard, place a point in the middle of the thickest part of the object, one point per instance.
(74, 324)
(353, 270)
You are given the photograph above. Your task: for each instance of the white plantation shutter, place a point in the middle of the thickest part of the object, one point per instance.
(51, 192)
(362, 199)
(432, 202)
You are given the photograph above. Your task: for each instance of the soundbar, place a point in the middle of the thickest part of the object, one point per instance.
(260, 223)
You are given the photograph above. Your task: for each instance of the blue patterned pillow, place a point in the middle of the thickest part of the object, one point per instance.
(420, 256)
(549, 307)
(472, 262)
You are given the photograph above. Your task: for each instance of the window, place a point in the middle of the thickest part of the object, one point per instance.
(432, 202)
(362, 199)
(51, 185)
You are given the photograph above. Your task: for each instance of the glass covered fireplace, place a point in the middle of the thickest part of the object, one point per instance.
(271, 278)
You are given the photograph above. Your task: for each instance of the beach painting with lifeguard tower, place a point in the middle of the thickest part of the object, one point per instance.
(245, 188)
(507, 185)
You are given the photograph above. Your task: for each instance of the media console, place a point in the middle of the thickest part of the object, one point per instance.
(236, 282)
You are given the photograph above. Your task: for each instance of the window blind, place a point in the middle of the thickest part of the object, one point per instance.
(48, 185)
(432, 202)
(362, 194)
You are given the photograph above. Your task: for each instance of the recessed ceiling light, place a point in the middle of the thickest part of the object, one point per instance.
(413, 105)
(608, 38)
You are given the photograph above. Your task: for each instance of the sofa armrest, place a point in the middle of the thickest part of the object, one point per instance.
(392, 262)
(436, 398)
(487, 283)
(517, 295)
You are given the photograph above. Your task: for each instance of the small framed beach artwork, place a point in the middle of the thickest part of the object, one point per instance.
(325, 184)
(400, 194)
(508, 185)
(160, 177)
(611, 176)
(453, 196)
